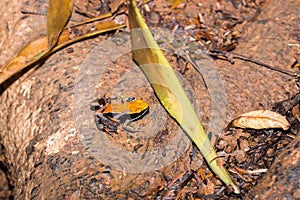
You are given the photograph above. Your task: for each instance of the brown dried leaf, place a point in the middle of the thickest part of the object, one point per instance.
(175, 3)
(296, 112)
(260, 119)
(107, 25)
(29, 54)
(37, 50)
(59, 13)
(114, 5)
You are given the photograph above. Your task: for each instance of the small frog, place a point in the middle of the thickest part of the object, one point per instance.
(108, 115)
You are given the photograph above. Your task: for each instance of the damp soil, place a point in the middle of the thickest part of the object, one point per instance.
(265, 31)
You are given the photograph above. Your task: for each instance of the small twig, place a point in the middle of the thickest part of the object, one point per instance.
(176, 179)
(183, 184)
(198, 179)
(289, 104)
(246, 179)
(186, 57)
(244, 171)
(231, 55)
(136, 147)
(32, 12)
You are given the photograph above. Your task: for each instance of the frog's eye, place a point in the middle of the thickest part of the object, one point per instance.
(101, 102)
(130, 99)
(97, 104)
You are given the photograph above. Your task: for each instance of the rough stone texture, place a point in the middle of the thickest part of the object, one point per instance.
(43, 152)
(269, 41)
(249, 86)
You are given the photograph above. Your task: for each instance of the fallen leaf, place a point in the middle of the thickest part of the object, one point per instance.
(260, 119)
(175, 3)
(59, 12)
(296, 112)
(28, 55)
(149, 57)
(37, 50)
(114, 5)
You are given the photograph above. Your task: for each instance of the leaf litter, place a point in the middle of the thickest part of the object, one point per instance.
(261, 146)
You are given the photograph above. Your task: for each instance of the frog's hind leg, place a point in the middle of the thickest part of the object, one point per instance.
(105, 122)
(98, 123)
(126, 126)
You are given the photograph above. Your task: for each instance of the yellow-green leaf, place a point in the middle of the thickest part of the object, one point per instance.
(260, 119)
(168, 89)
(59, 12)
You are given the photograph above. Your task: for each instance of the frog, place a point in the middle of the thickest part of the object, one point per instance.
(108, 115)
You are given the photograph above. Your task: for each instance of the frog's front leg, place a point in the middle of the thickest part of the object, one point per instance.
(106, 124)
(126, 126)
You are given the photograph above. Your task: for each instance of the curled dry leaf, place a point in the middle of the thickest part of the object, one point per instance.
(114, 5)
(260, 119)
